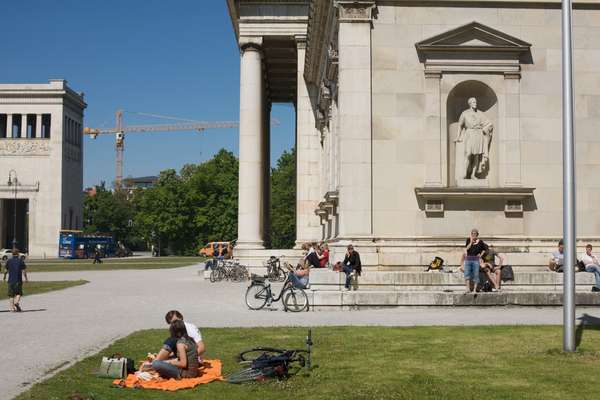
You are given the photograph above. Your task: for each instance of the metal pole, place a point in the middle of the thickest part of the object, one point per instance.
(569, 231)
(15, 216)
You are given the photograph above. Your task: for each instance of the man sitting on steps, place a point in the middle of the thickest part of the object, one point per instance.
(592, 265)
(558, 258)
(352, 266)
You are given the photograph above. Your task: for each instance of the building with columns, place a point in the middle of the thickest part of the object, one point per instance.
(41, 165)
(417, 121)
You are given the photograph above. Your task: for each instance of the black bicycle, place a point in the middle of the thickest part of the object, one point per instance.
(268, 362)
(259, 294)
(275, 272)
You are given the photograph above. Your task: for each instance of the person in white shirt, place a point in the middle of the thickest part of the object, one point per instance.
(592, 265)
(192, 331)
(558, 258)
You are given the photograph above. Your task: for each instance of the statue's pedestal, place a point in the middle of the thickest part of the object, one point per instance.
(473, 183)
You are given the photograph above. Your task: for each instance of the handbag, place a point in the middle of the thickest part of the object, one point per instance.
(114, 367)
(506, 273)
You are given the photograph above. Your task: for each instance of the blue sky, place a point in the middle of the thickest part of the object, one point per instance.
(176, 58)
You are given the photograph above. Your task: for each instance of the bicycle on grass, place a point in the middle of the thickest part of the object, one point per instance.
(268, 362)
(259, 294)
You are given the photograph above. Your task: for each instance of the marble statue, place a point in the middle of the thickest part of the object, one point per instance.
(476, 132)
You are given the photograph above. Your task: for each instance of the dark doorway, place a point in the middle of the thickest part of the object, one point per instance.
(7, 224)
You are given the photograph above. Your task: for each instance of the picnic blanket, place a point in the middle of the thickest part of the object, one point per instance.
(210, 370)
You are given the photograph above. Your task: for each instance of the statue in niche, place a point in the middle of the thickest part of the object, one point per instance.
(476, 131)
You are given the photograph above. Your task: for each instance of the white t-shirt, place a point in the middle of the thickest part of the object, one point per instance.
(589, 260)
(193, 332)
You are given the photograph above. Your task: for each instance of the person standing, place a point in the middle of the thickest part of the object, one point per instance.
(16, 270)
(351, 265)
(592, 265)
(474, 250)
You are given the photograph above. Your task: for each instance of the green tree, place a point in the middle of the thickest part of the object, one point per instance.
(283, 201)
(108, 212)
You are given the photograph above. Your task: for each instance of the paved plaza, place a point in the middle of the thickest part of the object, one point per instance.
(61, 327)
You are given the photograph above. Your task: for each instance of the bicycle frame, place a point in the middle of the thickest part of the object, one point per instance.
(270, 297)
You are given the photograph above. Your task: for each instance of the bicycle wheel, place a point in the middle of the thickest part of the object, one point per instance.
(257, 296)
(294, 299)
(245, 375)
(253, 354)
(281, 274)
(214, 274)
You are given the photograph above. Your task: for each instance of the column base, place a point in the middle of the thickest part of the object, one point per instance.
(250, 245)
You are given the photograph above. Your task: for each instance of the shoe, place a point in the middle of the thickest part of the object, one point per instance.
(18, 307)
(594, 289)
(346, 289)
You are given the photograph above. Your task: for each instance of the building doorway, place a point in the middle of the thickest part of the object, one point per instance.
(8, 225)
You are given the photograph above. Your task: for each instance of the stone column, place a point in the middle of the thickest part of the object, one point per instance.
(9, 127)
(2, 223)
(38, 125)
(354, 109)
(251, 179)
(510, 137)
(308, 181)
(24, 125)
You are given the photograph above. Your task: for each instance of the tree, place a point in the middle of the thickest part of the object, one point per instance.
(283, 201)
(108, 212)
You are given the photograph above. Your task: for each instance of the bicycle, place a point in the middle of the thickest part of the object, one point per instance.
(229, 270)
(259, 294)
(268, 362)
(275, 273)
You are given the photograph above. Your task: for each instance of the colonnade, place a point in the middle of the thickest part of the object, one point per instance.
(19, 126)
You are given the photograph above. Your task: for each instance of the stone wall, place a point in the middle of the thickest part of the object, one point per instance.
(527, 139)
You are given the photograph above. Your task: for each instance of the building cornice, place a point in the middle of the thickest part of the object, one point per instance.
(487, 3)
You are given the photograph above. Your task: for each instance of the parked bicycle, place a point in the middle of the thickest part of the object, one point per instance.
(275, 272)
(229, 270)
(259, 295)
(268, 362)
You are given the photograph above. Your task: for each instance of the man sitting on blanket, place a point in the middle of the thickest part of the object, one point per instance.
(192, 331)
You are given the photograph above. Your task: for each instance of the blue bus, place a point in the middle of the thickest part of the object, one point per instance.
(76, 244)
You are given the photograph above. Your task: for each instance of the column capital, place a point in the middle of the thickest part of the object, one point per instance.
(251, 43)
(512, 75)
(300, 41)
(355, 10)
(433, 74)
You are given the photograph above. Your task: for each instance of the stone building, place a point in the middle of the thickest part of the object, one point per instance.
(41, 144)
(418, 120)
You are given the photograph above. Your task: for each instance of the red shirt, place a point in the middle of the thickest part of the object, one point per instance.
(324, 259)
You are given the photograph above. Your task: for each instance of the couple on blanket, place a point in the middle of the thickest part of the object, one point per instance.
(181, 353)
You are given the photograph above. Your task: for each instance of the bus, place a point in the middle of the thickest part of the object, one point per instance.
(76, 244)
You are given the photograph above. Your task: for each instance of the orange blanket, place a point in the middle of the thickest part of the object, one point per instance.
(210, 371)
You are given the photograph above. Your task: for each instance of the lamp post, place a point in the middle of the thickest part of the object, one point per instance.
(569, 215)
(13, 181)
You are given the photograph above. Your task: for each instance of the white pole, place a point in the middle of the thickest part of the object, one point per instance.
(569, 231)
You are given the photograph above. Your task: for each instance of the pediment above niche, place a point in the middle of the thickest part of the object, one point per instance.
(473, 48)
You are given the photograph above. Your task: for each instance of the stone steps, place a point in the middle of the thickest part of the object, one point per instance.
(323, 300)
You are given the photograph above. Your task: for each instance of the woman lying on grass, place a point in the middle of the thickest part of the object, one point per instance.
(178, 357)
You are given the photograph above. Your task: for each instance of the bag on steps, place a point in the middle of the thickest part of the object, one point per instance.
(506, 273)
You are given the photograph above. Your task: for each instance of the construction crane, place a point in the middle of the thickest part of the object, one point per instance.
(119, 131)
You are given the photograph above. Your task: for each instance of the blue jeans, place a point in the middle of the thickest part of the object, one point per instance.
(347, 270)
(298, 282)
(166, 370)
(595, 269)
(472, 270)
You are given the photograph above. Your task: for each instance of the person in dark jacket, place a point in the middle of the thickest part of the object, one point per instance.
(351, 265)
(16, 271)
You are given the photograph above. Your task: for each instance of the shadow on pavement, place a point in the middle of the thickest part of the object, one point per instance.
(24, 311)
(587, 322)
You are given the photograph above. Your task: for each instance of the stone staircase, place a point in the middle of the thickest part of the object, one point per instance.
(418, 288)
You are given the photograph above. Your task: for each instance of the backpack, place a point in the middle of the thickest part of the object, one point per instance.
(436, 264)
(506, 273)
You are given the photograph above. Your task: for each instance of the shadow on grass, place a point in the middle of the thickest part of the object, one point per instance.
(587, 322)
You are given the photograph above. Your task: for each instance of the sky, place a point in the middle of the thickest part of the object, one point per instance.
(177, 58)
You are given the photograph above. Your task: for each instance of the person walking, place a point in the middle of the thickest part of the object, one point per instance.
(97, 259)
(16, 271)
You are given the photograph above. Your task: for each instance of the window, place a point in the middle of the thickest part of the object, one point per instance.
(16, 126)
(31, 126)
(45, 126)
(3, 122)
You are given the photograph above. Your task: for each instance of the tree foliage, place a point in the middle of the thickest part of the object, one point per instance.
(283, 201)
(185, 210)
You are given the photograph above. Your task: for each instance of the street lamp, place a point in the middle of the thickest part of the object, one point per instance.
(14, 182)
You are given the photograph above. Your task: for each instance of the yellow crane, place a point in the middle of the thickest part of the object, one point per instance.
(119, 131)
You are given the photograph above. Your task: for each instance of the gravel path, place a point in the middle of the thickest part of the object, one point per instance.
(79, 321)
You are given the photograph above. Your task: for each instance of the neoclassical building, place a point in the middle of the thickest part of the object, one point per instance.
(41, 145)
(418, 120)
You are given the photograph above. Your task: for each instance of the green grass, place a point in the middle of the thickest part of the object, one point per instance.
(30, 288)
(111, 264)
(373, 363)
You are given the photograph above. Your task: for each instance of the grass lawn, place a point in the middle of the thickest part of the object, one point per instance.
(373, 363)
(111, 264)
(41, 287)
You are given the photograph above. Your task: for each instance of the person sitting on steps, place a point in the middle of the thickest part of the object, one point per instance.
(558, 258)
(299, 278)
(592, 265)
(491, 265)
(352, 266)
